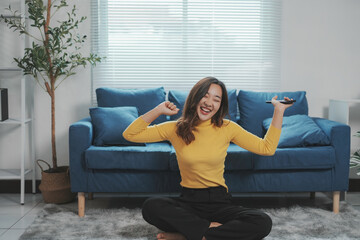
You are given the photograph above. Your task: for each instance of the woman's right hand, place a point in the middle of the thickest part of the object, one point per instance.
(167, 108)
(164, 108)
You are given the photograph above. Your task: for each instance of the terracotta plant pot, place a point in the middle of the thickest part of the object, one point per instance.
(55, 185)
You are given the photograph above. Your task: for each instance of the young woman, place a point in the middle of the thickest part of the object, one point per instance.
(201, 138)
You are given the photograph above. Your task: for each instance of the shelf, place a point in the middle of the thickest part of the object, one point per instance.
(10, 69)
(24, 121)
(14, 121)
(12, 174)
(339, 109)
(12, 16)
(346, 100)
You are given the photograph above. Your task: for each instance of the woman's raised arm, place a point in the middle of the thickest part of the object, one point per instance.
(164, 108)
(140, 131)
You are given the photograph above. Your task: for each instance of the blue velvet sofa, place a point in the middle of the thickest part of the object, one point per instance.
(313, 153)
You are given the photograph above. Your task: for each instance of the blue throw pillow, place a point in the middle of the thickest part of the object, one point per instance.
(109, 124)
(178, 97)
(143, 99)
(253, 109)
(299, 131)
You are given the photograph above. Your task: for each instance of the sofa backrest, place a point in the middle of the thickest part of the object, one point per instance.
(253, 108)
(143, 99)
(178, 97)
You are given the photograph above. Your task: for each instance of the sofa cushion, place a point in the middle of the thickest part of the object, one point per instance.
(143, 99)
(320, 157)
(253, 109)
(153, 156)
(110, 123)
(237, 159)
(309, 180)
(173, 160)
(299, 131)
(178, 97)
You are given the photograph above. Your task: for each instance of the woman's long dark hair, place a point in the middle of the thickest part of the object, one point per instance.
(189, 118)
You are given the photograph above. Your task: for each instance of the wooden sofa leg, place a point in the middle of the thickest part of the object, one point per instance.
(336, 201)
(81, 204)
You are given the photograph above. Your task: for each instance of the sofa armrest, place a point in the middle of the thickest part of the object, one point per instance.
(339, 135)
(80, 139)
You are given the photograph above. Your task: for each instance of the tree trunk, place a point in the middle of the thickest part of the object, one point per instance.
(53, 142)
(51, 88)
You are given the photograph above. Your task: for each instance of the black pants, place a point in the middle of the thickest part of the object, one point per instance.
(193, 212)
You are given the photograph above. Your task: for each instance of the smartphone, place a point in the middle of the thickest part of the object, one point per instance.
(283, 101)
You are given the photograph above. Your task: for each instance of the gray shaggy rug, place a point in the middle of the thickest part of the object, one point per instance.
(295, 223)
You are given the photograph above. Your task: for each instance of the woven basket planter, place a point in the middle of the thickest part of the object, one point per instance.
(55, 186)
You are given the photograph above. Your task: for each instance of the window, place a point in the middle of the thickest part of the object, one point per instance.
(175, 43)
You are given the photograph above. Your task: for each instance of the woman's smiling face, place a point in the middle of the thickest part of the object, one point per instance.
(210, 103)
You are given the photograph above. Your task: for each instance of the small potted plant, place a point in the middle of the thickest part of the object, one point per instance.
(52, 57)
(355, 158)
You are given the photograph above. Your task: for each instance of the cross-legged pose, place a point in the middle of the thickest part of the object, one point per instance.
(201, 138)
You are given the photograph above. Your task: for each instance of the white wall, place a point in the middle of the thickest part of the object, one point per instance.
(321, 50)
(73, 99)
(72, 103)
(320, 54)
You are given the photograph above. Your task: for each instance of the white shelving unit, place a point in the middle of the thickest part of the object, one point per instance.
(24, 122)
(339, 109)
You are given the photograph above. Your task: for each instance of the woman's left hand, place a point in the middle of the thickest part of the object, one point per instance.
(280, 106)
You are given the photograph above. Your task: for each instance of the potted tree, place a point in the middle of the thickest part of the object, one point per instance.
(355, 158)
(52, 57)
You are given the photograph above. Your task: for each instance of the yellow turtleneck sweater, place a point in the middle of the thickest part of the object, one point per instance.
(201, 163)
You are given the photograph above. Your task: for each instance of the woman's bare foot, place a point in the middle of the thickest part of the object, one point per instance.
(170, 236)
(214, 224)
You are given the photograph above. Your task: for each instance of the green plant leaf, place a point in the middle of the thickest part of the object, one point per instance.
(56, 53)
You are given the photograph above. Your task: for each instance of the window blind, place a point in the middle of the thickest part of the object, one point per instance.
(175, 43)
